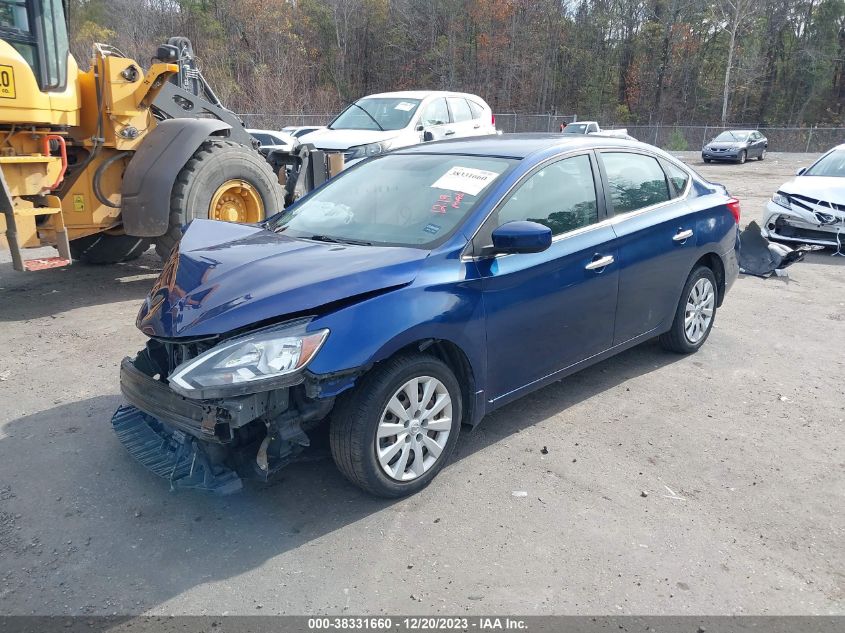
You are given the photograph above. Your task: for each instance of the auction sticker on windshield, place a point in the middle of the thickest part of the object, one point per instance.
(465, 179)
(405, 106)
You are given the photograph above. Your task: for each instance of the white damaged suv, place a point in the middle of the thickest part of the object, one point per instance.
(810, 208)
(379, 123)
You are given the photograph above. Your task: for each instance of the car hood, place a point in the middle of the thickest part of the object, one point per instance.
(726, 144)
(344, 139)
(224, 277)
(825, 188)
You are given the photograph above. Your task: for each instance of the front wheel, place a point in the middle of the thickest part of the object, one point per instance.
(695, 313)
(397, 428)
(743, 156)
(706, 160)
(223, 180)
(762, 155)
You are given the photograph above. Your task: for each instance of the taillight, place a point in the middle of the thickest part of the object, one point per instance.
(493, 119)
(733, 207)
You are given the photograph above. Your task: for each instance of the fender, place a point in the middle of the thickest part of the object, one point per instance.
(148, 181)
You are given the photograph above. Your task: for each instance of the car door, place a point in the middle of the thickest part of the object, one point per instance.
(655, 238)
(547, 311)
(435, 121)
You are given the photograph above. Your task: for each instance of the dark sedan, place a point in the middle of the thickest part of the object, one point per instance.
(737, 146)
(417, 291)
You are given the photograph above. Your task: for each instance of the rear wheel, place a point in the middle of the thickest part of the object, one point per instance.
(394, 432)
(225, 181)
(695, 313)
(103, 248)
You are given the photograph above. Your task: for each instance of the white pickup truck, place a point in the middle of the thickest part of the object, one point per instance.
(592, 127)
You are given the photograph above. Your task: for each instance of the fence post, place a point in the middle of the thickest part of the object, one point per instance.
(809, 138)
(704, 136)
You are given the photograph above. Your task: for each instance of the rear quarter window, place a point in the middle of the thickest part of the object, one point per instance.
(678, 177)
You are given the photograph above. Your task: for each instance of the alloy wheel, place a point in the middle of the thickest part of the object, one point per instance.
(414, 428)
(699, 310)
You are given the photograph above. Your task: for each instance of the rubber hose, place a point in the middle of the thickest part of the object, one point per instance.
(99, 174)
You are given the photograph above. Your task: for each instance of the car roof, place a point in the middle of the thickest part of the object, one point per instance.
(422, 94)
(521, 145)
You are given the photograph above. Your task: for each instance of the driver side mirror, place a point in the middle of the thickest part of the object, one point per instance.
(521, 236)
(420, 127)
(428, 136)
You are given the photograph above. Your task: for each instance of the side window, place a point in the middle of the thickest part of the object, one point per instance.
(477, 110)
(435, 113)
(678, 176)
(460, 110)
(561, 196)
(636, 181)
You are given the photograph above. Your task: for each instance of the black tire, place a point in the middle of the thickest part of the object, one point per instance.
(103, 248)
(743, 156)
(706, 160)
(356, 416)
(675, 340)
(762, 155)
(215, 162)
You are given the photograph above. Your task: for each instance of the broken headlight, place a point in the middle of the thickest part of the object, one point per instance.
(782, 200)
(259, 361)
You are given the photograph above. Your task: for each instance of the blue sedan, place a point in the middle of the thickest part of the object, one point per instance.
(414, 293)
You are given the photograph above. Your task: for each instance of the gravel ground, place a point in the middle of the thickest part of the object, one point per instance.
(738, 448)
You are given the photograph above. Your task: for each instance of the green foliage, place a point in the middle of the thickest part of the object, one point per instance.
(677, 142)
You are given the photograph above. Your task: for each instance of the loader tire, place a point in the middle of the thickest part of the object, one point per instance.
(103, 248)
(216, 163)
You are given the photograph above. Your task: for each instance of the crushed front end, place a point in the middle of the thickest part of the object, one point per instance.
(804, 219)
(219, 429)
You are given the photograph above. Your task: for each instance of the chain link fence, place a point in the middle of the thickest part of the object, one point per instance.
(813, 139)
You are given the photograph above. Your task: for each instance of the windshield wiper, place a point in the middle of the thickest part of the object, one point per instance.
(337, 240)
(364, 110)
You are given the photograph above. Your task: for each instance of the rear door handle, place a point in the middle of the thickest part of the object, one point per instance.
(601, 262)
(683, 236)
(448, 132)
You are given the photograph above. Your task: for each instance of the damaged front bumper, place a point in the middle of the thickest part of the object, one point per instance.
(804, 222)
(211, 444)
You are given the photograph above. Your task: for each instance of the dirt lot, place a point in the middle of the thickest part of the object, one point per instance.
(739, 447)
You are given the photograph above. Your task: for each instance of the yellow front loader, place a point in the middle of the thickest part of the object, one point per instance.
(104, 162)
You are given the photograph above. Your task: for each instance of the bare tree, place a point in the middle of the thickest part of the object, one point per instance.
(733, 14)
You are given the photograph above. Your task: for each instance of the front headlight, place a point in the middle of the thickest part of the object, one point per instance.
(364, 151)
(260, 361)
(782, 200)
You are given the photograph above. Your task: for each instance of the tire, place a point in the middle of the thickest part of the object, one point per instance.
(214, 163)
(678, 339)
(706, 160)
(358, 415)
(762, 155)
(103, 248)
(743, 156)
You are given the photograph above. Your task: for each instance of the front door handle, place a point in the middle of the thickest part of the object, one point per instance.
(448, 132)
(683, 236)
(601, 262)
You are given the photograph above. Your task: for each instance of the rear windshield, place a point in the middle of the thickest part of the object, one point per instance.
(396, 200)
(833, 164)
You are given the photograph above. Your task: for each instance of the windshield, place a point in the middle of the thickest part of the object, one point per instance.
(575, 128)
(832, 164)
(396, 200)
(376, 113)
(730, 137)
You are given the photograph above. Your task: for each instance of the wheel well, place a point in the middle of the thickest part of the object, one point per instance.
(456, 360)
(714, 263)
